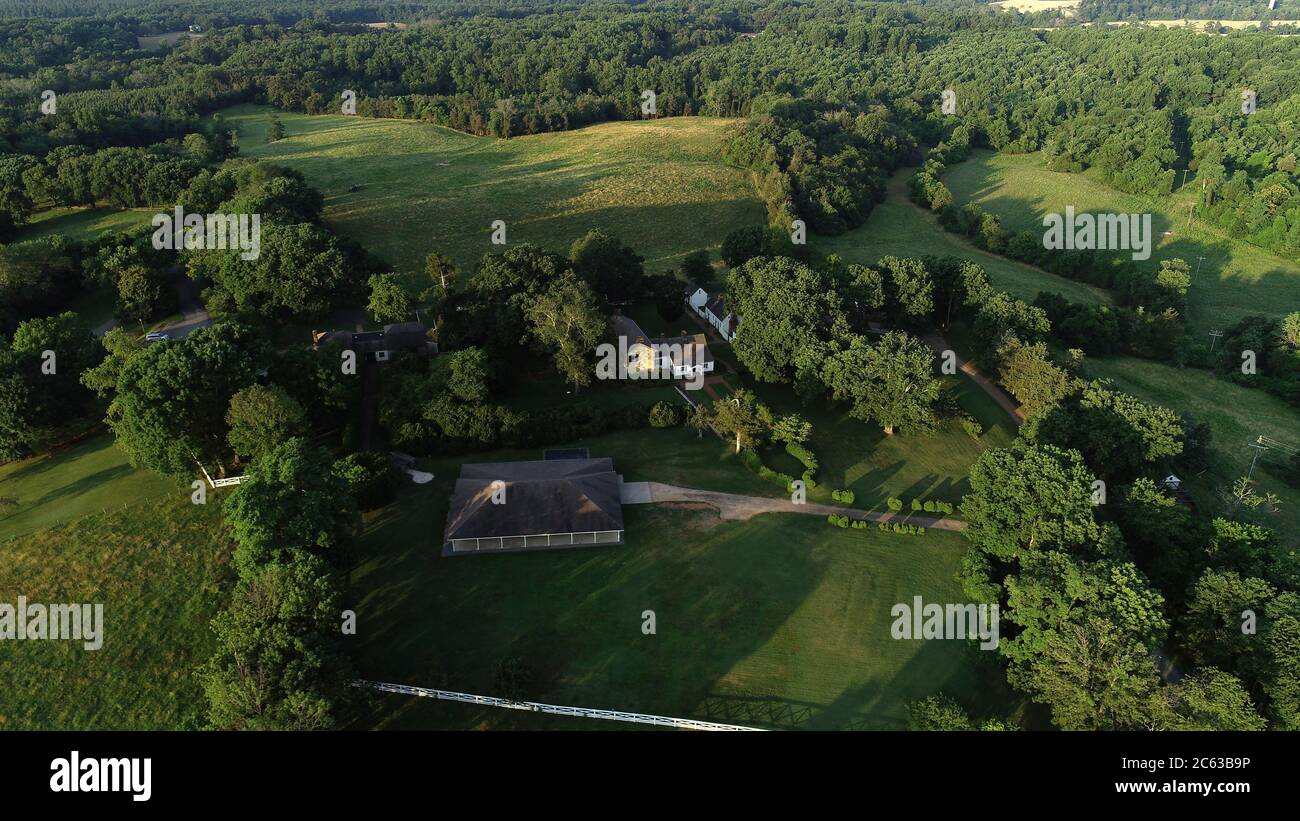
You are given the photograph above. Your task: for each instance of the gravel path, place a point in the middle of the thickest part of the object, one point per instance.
(736, 506)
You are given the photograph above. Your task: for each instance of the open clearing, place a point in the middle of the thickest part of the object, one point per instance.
(85, 223)
(658, 185)
(897, 227)
(779, 621)
(159, 571)
(1235, 279)
(88, 477)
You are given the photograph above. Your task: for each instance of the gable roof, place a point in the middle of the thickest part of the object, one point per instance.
(717, 306)
(556, 496)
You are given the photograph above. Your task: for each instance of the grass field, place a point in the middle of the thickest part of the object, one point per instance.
(778, 621)
(1235, 279)
(159, 571)
(86, 478)
(85, 223)
(1237, 416)
(897, 227)
(659, 185)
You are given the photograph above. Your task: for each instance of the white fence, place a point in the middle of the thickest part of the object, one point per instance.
(553, 709)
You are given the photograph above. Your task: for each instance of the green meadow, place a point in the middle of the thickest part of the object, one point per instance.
(85, 223)
(1237, 415)
(159, 570)
(897, 227)
(1234, 280)
(659, 185)
(91, 476)
(780, 621)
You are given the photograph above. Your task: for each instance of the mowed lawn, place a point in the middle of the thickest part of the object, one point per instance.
(897, 227)
(659, 185)
(779, 621)
(89, 477)
(1236, 414)
(1235, 279)
(159, 570)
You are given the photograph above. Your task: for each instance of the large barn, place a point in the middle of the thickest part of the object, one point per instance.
(512, 506)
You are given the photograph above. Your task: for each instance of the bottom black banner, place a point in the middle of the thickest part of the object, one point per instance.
(337, 771)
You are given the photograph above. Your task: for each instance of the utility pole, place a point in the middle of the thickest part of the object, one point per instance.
(1198, 268)
(1214, 337)
(1259, 446)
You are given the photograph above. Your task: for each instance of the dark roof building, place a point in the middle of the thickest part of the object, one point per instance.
(400, 336)
(513, 506)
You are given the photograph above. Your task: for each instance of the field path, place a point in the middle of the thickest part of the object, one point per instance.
(939, 344)
(738, 507)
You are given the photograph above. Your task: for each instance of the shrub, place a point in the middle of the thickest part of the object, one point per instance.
(929, 506)
(845, 497)
(666, 415)
(838, 521)
(916, 505)
(973, 428)
(894, 504)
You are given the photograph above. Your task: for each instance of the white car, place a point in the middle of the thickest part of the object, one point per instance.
(156, 336)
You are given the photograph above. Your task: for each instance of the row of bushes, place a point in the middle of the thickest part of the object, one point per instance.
(918, 506)
(844, 521)
(844, 497)
(901, 527)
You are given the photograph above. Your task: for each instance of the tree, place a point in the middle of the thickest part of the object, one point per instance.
(743, 244)
(1027, 371)
(370, 477)
(743, 416)
(121, 345)
(696, 266)
(139, 293)
(260, 418)
(938, 712)
(787, 310)
(1029, 498)
(389, 302)
(792, 428)
(289, 500)
(890, 383)
(40, 386)
(612, 269)
(1211, 699)
(278, 664)
(567, 322)
(172, 397)
(441, 271)
(699, 419)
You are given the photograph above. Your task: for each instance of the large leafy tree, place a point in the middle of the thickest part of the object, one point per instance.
(290, 500)
(784, 307)
(890, 382)
(612, 269)
(278, 664)
(261, 417)
(172, 397)
(567, 322)
(1029, 498)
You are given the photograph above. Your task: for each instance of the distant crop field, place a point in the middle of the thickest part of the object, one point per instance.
(1235, 279)
(658, 185)
(1029, 6)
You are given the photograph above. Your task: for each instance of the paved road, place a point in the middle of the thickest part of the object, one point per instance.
(193, 314)
(738, 507)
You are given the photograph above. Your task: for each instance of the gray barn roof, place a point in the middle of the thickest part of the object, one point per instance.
(559, 496)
